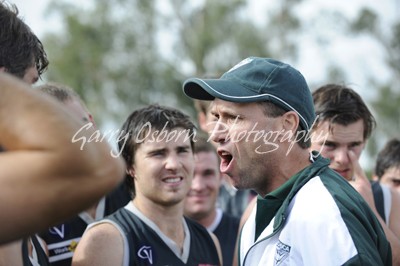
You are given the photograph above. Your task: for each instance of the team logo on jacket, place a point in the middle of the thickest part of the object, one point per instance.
(146, 253)
(282, 252)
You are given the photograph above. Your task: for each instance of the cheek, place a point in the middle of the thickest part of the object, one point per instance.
(189, 164)
(213, 185)
(330, 154)
(357, 151)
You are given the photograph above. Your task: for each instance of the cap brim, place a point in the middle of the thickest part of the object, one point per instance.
(209, 89)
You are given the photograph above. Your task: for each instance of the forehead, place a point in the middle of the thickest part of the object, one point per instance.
(206, 158)
(161, 139)
(338, 133)
(222, 107)
(393, 172)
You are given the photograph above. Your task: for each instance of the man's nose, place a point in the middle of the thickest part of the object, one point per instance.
(219, 132)
(341, 156)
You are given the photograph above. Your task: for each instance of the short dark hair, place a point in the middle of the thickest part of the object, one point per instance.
(272, 110)
(20, 48)
(342, 105)
(159, 118)
(388, 157)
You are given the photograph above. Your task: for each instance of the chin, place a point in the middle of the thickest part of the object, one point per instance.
(196, 215)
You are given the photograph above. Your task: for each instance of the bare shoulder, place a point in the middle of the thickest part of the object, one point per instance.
(101, 244)
(10, 254)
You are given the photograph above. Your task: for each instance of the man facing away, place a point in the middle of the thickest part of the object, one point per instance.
(306, 213)
(62, 239)
(36, 133)
(22, 55)
(347, 123)
(151, 229)
(201, 201)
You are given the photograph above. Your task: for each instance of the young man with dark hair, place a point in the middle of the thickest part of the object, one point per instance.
(347, 122)
(151, 229)
(387, 169)
(305, 213)
(21, 52)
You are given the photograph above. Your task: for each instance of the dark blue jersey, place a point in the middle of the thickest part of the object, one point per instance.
(40, 253)
(63, 239)
(147, 248)
(379, 199)
(226, 232)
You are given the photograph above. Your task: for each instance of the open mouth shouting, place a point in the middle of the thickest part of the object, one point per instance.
(226, 161)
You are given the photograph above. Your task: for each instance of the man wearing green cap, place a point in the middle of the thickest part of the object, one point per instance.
(306, 214)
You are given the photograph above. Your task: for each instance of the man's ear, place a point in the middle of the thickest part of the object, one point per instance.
(290, 121)
(3, 69)
(130, 171)
(91, 119)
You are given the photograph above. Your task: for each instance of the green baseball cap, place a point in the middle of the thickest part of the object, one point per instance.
(257, 79)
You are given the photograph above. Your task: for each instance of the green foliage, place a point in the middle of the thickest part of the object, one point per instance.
(386, 104)
(366, 21)
(123, 54)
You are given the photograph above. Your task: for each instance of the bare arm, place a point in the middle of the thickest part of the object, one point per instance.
(44, 178)
(100, 245)
(11, 253)
(363, 186)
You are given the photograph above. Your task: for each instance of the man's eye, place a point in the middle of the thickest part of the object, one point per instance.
(330, 145)
(396, 183)
(157, 153)
(183, 150)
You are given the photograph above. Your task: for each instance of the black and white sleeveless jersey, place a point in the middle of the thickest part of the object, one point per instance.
(63, 239)
(226, 232)
(38, 254)
(146, 247)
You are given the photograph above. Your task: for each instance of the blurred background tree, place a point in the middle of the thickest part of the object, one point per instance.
(386, 99)
(123, 54)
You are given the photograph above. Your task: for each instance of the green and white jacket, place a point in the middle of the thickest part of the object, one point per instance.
(316, 218)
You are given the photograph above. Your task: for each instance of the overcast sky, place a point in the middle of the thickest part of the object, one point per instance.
(358, 56)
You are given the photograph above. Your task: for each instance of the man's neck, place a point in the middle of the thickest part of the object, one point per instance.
(167, 218)
(299, 159)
